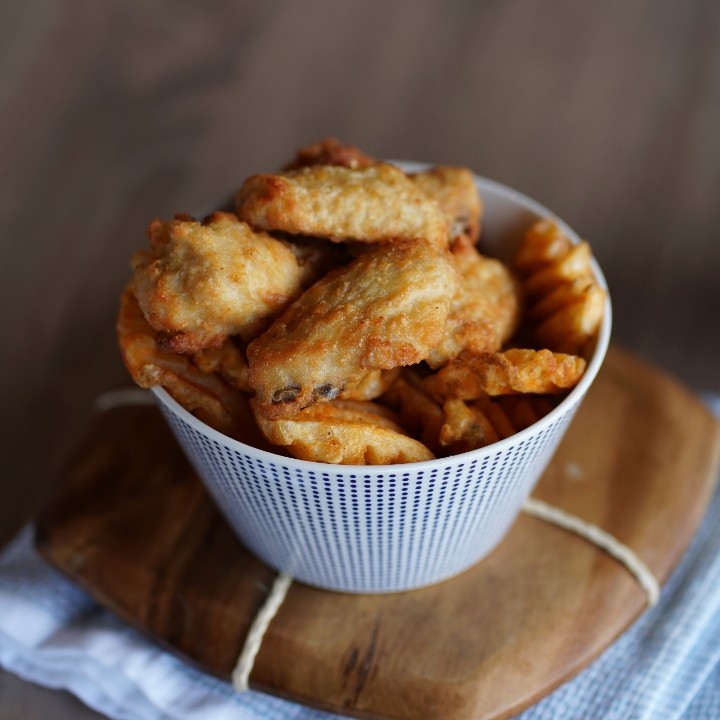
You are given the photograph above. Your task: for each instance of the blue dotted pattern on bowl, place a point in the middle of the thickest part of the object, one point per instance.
(374, 529)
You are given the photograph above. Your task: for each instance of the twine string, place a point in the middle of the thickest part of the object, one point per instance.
(253, 641)
(602, 539)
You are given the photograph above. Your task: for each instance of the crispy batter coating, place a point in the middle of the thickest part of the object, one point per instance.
(372, 204)
(330, 151)
(344, 433)
(372, 386)
(201, 283)
(472, 376)
(227, 361)
(203, 393)
(485, 310)
(454, 190)
(386, 309)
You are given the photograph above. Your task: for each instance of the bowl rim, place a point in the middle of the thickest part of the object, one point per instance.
(572, 398)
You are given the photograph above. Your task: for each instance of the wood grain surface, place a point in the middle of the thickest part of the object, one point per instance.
(114, 113)
(133, 525)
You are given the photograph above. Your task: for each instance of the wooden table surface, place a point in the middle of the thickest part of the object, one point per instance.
(115, 113)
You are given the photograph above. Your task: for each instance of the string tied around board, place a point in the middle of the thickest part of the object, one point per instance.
(532, 506)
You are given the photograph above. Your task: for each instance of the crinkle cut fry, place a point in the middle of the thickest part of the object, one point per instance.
(420, 414)
(471, 376)
(544, 244)
(465, 427)
(525, 410)
(566, 303)
(201, 393)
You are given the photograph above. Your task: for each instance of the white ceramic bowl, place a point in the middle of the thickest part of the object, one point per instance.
(373, 529)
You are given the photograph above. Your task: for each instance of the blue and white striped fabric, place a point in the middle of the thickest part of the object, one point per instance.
(665, 667)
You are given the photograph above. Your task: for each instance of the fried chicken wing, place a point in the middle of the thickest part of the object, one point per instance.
(330, 151)
(204, 393)
(345, 433)
(485, 310)
(454, 190)
(371, 204)
(386, 309)
(372, 386)
(202, 282)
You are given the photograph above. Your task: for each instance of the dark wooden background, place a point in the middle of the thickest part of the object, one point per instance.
(113, 113)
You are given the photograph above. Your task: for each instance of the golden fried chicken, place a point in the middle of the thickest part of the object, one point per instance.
(454, 190)
(330, 151)
(343, 432)
(202, 392)
(202, 282)
(370, 204)
(386, 309)
(485, 310)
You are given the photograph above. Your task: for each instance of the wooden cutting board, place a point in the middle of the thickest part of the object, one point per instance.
(134, 526)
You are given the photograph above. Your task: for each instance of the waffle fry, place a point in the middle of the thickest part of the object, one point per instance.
(565, 302)
(420, 415)
(465, 427)
(203, 393)
(544, 244)
(525, 410)
(514, 371)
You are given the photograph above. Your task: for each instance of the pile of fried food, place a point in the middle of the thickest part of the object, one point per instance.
(344, 314)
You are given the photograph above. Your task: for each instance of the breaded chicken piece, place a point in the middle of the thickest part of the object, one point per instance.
(330, 151)
(372, 386)
(485, 310)
(387, 308)
(454, 189)
(201, 283)
(344, 433)
(371, 204)
(205, 394)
